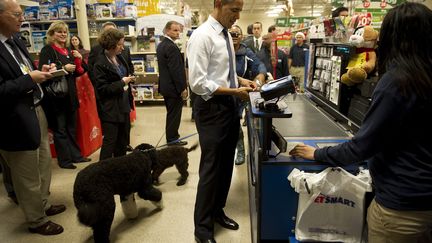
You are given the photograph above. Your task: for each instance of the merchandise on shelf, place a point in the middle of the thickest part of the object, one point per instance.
(150, 64)
(143, 42)
(44, 13)
(31, 13)
(119, 8)
(39, 40)
(130, 11)
(138, 65)
(156, 94)
(65, 9)
(103, 11)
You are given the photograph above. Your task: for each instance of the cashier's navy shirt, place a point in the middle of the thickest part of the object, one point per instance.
(396, 138)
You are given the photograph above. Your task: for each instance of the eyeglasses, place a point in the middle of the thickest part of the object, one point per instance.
(17, 15)
(234, 34)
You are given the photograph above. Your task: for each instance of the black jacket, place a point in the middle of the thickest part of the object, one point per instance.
(109, 89)
(96, 51)
(172, 75)
(19, 125)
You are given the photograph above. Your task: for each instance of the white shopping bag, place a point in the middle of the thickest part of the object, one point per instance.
(331, 205)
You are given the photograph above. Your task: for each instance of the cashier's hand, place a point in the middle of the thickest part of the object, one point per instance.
(242, 93)
(303, 151)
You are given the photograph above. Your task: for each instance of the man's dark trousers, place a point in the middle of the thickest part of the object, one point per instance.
(174, 106)
(218, 126)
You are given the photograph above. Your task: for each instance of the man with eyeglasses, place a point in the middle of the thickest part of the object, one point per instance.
(23, 127)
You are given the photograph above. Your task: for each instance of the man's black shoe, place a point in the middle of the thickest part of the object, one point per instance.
(83, 160)
(209, 240)
(68, 166)
(179, 143)
(226, 222)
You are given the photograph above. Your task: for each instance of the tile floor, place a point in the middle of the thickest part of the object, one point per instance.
(174, 224)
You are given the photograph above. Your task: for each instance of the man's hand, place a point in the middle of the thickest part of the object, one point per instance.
(40, 77)
(242, 93)
(184, 94)
(49, 68)
(303, 151)
(247, 83)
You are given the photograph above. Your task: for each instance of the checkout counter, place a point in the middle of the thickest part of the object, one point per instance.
(273, 202)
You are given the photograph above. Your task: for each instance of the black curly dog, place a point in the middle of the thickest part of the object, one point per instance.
(96, 185)
(167, 157)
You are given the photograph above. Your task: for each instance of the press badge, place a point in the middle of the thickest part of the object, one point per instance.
(24, 69)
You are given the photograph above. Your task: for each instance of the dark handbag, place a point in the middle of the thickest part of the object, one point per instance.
(57, 88)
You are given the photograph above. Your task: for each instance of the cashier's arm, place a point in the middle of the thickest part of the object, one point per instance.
(303, 151)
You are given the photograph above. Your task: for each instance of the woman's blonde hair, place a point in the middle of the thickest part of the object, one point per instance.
(57, 26)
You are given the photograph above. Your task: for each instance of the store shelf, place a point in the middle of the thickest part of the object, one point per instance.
(50, 21)
(126, 36)
(143, 52)
(302, 29)
(145, 73)
(112, 19)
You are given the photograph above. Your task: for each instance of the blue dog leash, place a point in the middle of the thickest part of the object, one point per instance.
(172, 142)
(178, 140)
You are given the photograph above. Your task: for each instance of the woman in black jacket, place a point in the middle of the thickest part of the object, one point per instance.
(61, 112)
(114, 91)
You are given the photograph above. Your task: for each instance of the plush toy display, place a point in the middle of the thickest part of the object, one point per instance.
(363, 61)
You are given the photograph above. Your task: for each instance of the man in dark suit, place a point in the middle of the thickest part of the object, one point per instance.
(23, 127)
(172, 81)
(255, 43)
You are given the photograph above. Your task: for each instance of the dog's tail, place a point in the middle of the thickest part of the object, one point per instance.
(88, 213)
(195, 146)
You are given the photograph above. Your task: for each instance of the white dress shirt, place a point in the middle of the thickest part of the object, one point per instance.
(259, 42)
(208, 59)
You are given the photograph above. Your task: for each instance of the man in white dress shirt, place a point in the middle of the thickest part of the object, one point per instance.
(211, 60)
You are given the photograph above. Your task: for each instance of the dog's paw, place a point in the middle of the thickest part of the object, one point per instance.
(181, 181)
(129, 207)
(159, 204)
